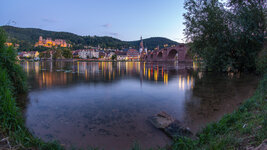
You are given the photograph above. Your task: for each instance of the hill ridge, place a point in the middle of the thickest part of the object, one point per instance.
(26, 37)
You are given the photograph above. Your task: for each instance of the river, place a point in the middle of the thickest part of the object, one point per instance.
(106, 104)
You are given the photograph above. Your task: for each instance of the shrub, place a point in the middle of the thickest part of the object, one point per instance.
(261, 61)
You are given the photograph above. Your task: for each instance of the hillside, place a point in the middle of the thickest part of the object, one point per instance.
(153, 42)
(26, 37)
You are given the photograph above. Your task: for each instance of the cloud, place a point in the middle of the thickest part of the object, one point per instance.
(49, 20)
(106, 25)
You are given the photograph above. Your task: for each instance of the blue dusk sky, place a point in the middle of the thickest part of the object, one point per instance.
(123, 19)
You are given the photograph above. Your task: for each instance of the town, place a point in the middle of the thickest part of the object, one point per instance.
(92, 53)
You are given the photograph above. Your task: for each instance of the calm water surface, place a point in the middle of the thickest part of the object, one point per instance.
(106, 105)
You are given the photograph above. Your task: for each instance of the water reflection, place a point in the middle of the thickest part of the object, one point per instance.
(106, 104)
(52, 74)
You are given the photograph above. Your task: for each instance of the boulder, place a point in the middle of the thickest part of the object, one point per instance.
(170, 126)
(161, 120)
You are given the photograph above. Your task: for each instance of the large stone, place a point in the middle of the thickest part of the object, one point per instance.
(161, 120)
(171, 127)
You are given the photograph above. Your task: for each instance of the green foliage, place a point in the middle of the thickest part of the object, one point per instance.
(114, 57)
(261, 61)
(153, 42)
(39, 49)
(8, 61)
(228, 39)
(184, 143)
(45, 55)
(57, 54)
(66, 53)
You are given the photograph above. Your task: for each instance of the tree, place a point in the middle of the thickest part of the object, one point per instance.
(66, 53)
(8, 63)
(227, 37)
(45, 54)
(57, 54)
(40, 48)
(114, 57)
(248, 23)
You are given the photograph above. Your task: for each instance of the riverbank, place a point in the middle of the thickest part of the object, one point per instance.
(13, 133)
(80, 60)
(245, 128)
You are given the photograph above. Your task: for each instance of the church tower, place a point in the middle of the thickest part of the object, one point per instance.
(141, 49)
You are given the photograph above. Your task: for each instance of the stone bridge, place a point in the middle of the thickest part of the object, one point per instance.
(177, 53)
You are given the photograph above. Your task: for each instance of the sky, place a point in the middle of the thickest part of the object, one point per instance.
(127, 20)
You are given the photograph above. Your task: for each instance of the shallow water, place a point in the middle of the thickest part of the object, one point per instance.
(106, 105)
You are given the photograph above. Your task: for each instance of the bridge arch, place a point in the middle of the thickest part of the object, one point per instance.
(173, 53)
(160, 55)
(151, 55)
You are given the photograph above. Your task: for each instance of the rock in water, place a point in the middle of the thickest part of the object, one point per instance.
(161, 120)
(171, 127)
(176, 129)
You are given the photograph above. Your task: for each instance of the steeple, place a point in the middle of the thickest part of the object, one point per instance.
(141, 49)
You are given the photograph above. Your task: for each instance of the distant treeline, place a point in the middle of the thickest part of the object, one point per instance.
(27, 37)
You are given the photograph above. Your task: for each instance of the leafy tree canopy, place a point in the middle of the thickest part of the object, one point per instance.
(227, 36)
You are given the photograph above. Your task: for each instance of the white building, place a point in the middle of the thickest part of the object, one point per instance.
(84, 54)
(95, 54)
(88, 53)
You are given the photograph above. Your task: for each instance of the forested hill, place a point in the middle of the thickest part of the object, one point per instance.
(154, 42)
(26, 37)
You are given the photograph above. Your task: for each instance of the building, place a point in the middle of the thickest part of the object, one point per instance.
(75, 53)
(87, 53)
(121, 55)
(95, 54)
(84, 54)
(142, 50)
(48, 42)
(133, 54)
(8, 44)
(34, 54)
(102, 54)
(110, 54)
(30, 54)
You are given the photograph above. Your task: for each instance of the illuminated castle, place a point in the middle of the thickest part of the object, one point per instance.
(48, 42)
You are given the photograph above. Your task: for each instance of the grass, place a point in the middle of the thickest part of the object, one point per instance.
(245, 127)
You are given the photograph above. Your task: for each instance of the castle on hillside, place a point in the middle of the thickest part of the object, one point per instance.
(48, 42)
